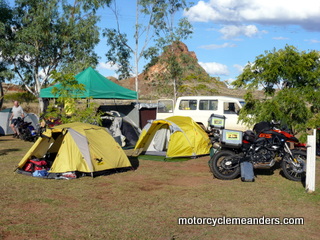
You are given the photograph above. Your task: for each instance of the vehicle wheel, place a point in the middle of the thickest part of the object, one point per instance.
(225, 165)
(292, 170)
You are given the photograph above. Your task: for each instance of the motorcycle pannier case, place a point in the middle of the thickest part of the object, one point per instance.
(217, 121)
(231, 138)
(247, 173)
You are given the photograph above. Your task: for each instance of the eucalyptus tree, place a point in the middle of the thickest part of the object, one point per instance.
(5, 36)
(51, 35)
(155, 27)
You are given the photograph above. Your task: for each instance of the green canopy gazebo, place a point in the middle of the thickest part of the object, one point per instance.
(96, 86)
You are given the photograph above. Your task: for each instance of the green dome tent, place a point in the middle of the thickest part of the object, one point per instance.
(96, 86)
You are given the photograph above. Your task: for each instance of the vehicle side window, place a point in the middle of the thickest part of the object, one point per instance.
(188, 105)
(165, 106)
(230, 108)
(208, 105)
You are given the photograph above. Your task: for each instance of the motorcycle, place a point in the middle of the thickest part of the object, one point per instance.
(265, 146)
(26, 131)
(47, 122)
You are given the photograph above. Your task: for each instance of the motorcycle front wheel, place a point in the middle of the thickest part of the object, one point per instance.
(225, 165)
(292, 170)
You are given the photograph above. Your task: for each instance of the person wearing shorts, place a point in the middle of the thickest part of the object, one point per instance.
(16, 112)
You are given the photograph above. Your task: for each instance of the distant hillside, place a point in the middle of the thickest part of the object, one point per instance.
(196, 81)
(11, 88)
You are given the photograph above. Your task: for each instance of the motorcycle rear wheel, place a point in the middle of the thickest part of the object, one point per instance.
(292, 172)
(225, 165)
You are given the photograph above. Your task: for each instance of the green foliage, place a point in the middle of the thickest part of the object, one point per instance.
(291, 81)
(119, 52)
(6, 16)
(69, 88)
(72, 110)
(285, 68)
(50, 35)
(75, 112)
(201, 77)
(201, 87)
(26, 97)
(174, 69)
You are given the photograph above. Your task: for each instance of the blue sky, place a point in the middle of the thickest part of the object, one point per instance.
(230, 33)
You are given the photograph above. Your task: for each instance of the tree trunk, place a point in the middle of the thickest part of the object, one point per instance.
(136, 51)
(174, 91)
(41, 105)
(1, 95)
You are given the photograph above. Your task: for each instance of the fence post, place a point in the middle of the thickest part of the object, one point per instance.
(311, 163)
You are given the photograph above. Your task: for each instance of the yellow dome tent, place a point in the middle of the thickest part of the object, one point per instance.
(77, 147)
(173, 137)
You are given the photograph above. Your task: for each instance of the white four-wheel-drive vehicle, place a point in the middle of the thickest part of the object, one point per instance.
(200, 108)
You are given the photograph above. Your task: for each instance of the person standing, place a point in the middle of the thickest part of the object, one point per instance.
(16, 112)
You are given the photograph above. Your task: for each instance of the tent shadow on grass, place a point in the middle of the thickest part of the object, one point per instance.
(3, 140)
(163, 158)
(5, 151)
(134, 162)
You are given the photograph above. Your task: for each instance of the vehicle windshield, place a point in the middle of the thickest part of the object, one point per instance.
(242, 103)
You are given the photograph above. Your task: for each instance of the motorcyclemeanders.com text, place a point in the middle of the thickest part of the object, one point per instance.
(214, 221)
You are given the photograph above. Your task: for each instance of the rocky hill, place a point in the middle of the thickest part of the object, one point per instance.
(11, 88)
(195, 80)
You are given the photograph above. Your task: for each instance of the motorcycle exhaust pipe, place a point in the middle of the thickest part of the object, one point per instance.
(264, 165)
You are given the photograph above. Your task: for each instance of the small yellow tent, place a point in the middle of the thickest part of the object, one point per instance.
(173, 137)
(77, 147)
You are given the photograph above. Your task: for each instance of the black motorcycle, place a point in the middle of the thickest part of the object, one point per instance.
(263, 147)
(26, 131)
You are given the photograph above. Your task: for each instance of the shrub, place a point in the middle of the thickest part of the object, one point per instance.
(26, 97)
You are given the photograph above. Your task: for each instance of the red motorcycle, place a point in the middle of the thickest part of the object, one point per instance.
(263, 147)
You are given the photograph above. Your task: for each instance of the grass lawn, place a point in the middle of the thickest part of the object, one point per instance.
(146, 203)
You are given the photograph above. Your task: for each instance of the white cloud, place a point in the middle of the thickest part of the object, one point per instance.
(239, 67)
(108, 66)
(312, 40)
(280, 38)
(276, 12)
(229, 81)
(232, 31)
(115, 75)
(201, 12)
(43, 73)
(215, 68)
(216, 46)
